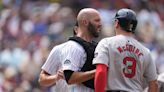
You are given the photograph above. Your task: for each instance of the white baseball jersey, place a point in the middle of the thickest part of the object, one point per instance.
(52, 65)
(128, 63)
(73, 58)
(67, 56)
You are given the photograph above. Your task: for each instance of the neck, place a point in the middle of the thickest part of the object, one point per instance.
(122, 32)
(85, 35)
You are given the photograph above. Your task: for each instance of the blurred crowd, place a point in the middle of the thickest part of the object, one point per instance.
(29, 29)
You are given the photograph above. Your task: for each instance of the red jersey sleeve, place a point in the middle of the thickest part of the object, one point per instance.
(100, 77)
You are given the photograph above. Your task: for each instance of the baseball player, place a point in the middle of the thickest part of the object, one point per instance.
(89, 26)
(52, 73)
(71, 56)
(122, 61)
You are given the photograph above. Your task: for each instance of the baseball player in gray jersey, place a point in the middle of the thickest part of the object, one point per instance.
(122, 60)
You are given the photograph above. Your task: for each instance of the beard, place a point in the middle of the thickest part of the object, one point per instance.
(92, 30)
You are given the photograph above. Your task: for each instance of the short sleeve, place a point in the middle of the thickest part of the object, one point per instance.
(150, 72)
(73, 57)
(101, 53)
(52, 63)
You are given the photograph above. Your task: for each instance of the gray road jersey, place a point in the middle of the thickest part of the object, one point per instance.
(129, 63)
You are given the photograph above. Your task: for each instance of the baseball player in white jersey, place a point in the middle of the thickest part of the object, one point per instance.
(122, 61)
(89, 26)
(71, 56)
(52, 73)
(51, 70)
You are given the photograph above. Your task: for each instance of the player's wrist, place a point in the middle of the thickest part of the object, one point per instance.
(54, 78)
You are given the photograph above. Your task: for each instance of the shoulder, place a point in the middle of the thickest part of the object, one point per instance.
(57, 47)
(66, 45)
(144, 48)
(72, 46)
(146, 51)
(104, 40)
(107, 40)
(55, 51)
(113, 38)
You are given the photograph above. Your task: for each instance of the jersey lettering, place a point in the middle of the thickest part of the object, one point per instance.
(130, 48)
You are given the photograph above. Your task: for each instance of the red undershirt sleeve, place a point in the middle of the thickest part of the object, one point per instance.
(100, 77)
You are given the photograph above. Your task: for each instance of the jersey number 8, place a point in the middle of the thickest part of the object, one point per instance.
(130, 70)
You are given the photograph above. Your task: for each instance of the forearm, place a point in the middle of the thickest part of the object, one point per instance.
(153, 86)
(79, 77)
(100, 78)
(47, 80)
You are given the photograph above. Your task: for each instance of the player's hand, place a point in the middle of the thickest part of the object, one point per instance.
(60, 74)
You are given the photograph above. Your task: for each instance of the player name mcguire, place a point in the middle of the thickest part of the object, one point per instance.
(130, 48)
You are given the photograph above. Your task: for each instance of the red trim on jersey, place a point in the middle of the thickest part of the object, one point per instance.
(100, 77)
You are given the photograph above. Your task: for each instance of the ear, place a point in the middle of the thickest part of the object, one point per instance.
(85, 22)
(116, 24)
(75, 30)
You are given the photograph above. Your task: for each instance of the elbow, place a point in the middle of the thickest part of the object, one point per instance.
(42, 82)
(45, 79)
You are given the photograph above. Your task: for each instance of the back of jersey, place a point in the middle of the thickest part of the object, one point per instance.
(127, 63)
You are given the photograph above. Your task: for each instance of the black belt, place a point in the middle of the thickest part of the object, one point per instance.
(116, 91)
